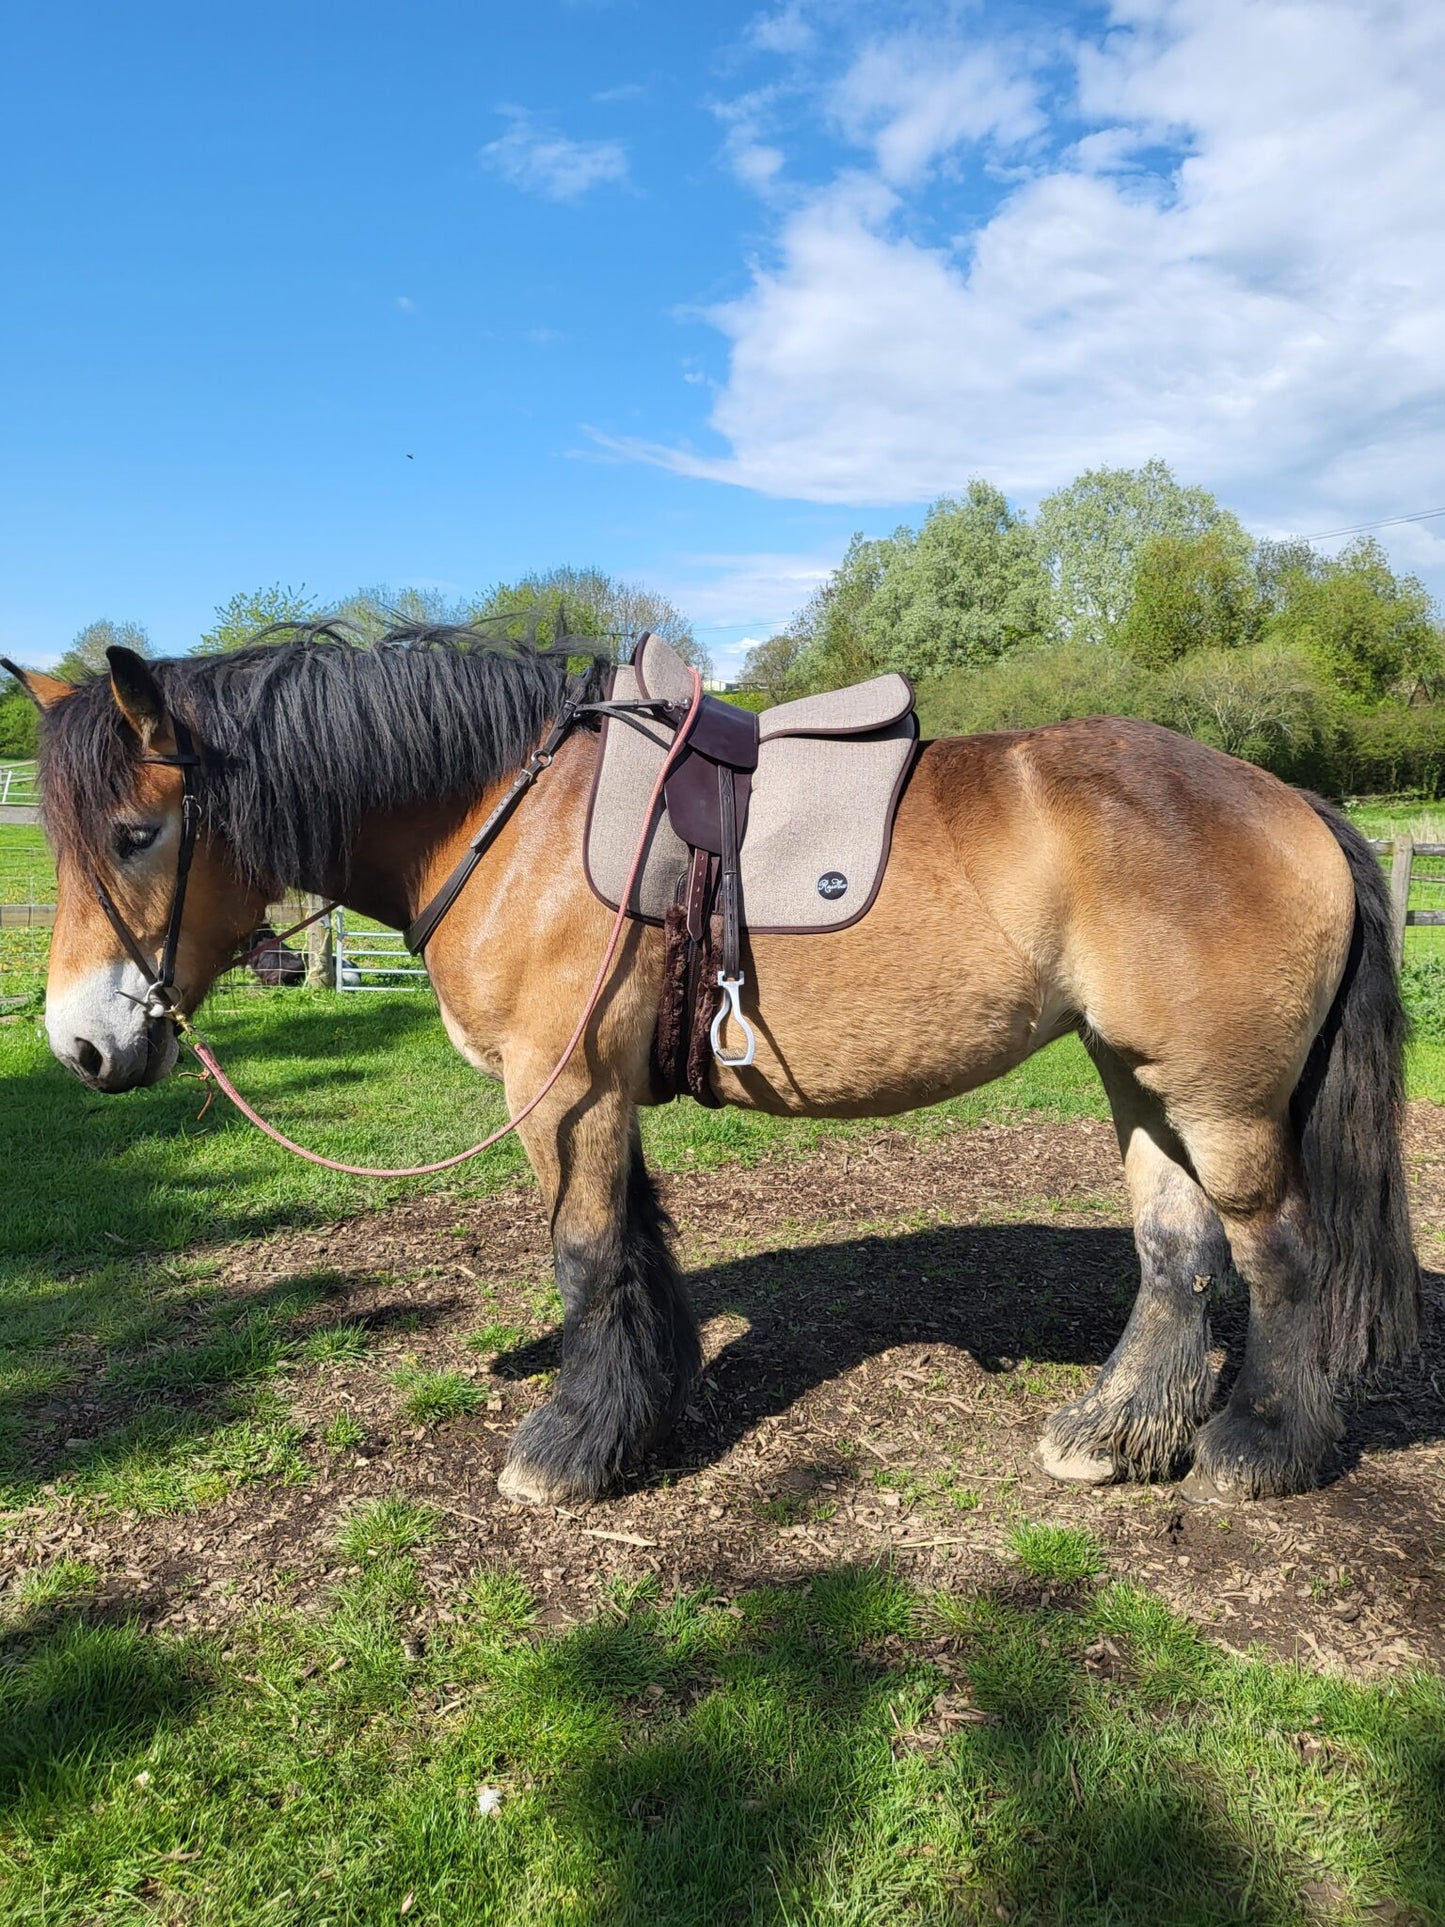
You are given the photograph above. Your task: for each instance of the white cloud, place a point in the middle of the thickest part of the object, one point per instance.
(758, 591)
(912, 100)
(788, 31)
(531, 157)
(1228, 253)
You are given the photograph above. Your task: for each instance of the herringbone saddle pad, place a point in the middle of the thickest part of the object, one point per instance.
(831, 769)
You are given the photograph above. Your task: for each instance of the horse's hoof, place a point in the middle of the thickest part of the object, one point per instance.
(1074, 1467)
(527, 1484)
(1199, 1489)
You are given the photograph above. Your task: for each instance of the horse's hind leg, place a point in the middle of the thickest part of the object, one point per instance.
(629, 1338)
(1282, 1416)
(1151, 1397)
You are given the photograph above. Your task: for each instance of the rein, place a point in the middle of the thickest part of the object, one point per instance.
(161, 999)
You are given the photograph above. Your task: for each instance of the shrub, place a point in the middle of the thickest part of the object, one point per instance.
(1267, 704)
(1037, 686)
(1395, 747)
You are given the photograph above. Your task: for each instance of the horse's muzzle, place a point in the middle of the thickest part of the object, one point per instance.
(146, 1060)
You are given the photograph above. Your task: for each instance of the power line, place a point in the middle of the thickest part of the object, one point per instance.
(1363, 528)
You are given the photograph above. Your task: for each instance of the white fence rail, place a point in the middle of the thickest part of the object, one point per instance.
(18, 786)
(367, 959)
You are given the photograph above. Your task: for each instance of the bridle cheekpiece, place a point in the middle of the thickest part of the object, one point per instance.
(160, 999)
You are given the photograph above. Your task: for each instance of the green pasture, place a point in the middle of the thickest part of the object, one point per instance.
(843, 1750)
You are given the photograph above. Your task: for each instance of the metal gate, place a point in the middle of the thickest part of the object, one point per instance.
(369, 958)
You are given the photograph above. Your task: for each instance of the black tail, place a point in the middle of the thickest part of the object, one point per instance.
(1348, 1112)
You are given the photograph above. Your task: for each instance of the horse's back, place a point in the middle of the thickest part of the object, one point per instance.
(1187, 908)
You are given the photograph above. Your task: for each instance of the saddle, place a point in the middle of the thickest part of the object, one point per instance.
(778, 824)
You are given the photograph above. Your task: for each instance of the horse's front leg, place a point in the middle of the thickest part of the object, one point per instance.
(629, 1338)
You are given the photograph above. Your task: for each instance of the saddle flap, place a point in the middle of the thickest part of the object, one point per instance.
(725, 734)
(694, 802)
(856, 711)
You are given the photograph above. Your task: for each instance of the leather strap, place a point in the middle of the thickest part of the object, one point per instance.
(160, 977)
(424, 926)
(729, 884)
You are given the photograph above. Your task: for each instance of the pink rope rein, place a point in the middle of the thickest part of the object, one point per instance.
(208, 1056)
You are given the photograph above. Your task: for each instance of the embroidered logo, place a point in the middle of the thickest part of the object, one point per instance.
(832, 885)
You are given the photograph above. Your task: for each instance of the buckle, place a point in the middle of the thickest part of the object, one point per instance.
(159, 1000)
(732, 1007)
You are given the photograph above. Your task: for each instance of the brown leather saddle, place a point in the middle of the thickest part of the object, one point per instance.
(776, 824)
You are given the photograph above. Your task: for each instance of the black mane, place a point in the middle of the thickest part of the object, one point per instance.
(301, 738)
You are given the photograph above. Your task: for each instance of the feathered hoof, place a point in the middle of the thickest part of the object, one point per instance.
(1198, 1488)
(527, 1484)
(1072, 1466)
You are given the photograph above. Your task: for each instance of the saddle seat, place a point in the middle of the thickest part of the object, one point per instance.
(778, 823)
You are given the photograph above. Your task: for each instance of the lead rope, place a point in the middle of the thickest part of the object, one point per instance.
(208, 1057)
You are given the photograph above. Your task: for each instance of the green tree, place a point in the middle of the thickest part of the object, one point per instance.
(19, 725)
(970, 587)
(1370, 631)
(833, 626)
(1190, 592)
(250, 610)
(1093, 531)
(591, 604)
(86, 654)
(1265, 704)
(1031, 688)
(772, 666)
(369, 614)
(1275, 562)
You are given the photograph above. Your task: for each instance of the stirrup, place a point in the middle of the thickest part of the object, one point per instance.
(732, 1007)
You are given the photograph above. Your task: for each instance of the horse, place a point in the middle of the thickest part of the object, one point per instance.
(1220, 941)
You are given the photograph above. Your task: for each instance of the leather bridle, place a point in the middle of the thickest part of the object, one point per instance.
(160, 999)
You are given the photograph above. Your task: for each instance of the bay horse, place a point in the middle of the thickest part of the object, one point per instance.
(1219, 941)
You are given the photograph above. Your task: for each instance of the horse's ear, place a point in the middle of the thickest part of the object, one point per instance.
(138, 693)
(44, 691)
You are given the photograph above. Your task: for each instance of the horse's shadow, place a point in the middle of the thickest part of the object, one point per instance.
(1003, 1294)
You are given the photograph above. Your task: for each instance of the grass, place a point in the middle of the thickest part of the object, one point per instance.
(494, 1338)
(845, 1750)
(433, 1397)
(368, 1079)
(344, 1433)
(27, 869)
(334, 1345)
(386, 1527)
(1063, 1554)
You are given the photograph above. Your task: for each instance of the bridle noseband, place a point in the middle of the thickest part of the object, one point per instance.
(160, 999)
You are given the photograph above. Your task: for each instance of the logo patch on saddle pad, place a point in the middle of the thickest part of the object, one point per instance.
(832, 885)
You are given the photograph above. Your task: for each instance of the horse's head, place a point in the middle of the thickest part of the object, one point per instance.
(148, 909)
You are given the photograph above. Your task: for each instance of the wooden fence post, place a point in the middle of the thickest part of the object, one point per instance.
(320, 957)
(1402, 858)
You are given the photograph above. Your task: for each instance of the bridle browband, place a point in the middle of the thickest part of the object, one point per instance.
(161, 999)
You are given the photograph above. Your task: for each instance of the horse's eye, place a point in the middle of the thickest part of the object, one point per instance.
(132, 838)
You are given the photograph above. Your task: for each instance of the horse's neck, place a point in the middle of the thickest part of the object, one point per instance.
(392, 851)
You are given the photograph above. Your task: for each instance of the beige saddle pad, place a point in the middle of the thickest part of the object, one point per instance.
(831, 769)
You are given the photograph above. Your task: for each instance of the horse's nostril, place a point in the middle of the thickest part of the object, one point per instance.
(88, 1058)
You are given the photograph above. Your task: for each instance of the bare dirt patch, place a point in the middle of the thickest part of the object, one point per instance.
(888, 1323)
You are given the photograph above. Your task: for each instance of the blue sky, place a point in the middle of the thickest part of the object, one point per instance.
(341, 294)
